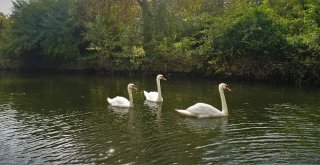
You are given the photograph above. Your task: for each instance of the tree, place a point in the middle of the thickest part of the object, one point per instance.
(114, 30)
(4, 24)
(44, 29)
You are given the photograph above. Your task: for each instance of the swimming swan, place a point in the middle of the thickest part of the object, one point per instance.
(155, 96)
(121, 101)
(202, 110)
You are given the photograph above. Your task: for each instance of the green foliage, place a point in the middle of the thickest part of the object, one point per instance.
(4, 23)
(254, 39)
(115, 37)
(59, 33)
(252, 33)
(44, 28)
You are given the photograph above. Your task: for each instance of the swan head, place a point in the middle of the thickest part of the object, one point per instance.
(131, 86)
(161, 77)
(224, 87)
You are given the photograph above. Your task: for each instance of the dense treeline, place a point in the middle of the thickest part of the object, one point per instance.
(248, 39)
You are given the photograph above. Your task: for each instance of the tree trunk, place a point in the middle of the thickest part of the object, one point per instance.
(146, 21)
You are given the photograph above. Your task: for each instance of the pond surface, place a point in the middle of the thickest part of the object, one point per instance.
(65, 119)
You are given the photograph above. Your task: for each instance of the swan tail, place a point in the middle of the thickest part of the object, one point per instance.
(145, 94)
(185, 112)
(109, 100)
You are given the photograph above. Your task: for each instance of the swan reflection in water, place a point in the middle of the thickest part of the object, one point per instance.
(206, 124)
(154, 107)
(119, 110)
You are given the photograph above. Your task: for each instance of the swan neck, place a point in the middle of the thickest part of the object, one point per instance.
(130, 97)
(159, 89)
(223, 102)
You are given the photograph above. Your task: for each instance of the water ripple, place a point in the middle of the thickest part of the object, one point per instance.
(40, 138)
(280, 140)
(42, 127)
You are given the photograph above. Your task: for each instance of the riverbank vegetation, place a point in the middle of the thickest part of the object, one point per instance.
(245, 39)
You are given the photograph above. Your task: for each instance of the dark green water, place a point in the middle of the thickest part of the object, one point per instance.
(65, 119)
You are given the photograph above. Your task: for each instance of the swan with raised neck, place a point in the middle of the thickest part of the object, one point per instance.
(120, 101)
(202, 110)
(155, 96)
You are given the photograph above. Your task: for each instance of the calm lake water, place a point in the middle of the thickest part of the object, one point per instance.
(65, 119)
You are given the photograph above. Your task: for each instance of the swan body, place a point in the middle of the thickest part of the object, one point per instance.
(120, 101)
(152, 96)
(155, 96)
(202, 110)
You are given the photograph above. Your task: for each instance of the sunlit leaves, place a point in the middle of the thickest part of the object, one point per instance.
(115, 29)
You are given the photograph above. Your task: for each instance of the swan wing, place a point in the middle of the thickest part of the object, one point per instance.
(146, 94)
(119, 102)
(204, 110)
(151, 96)
(185, 113)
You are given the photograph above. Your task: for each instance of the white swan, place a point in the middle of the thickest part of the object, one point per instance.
(202, 110)
(155, 96)
(121, 101)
